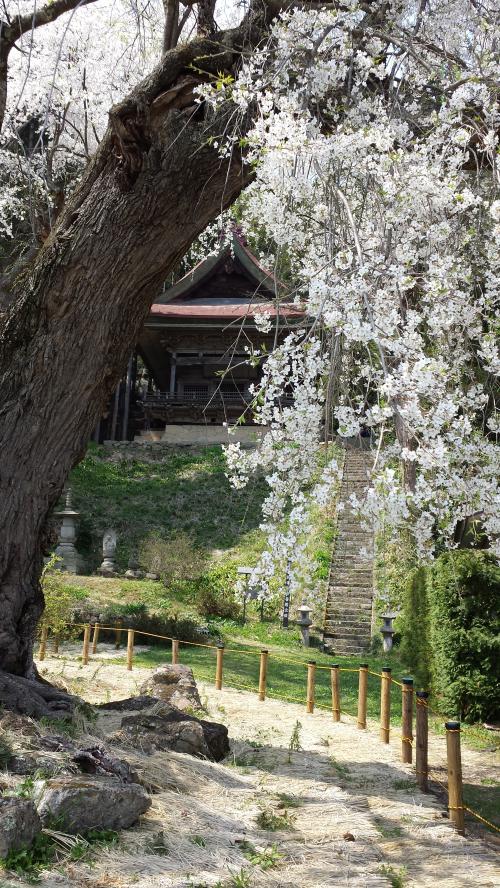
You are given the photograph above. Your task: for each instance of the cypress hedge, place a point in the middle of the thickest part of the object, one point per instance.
(451, 632)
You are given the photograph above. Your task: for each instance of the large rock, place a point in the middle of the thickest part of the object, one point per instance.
(174, 684)
(78, 804)
(129, 704)
(173, 729)
(19, 824)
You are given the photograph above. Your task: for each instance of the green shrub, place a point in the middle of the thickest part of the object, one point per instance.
(61, 598)
(414, 627)
(450, 632)
(138, 617)
(173, 558)
(464, 610)
(215, 593)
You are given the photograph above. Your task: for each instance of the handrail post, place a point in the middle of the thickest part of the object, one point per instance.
(407, 720)
(175, 651)
(362, 694)
(422, 741)
(454, 762)
(385, 704)
(86, 643)
(118, 634)
(335, 683)
(219, 667)
(311, 684)
(95, 638)
(263, 674)
(43, 643)
(130, 649)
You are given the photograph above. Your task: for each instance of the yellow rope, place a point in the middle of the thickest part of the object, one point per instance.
(482, 819)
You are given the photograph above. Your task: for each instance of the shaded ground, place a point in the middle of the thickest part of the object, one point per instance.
(352, 814)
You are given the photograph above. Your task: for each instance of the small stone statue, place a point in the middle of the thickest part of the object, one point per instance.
(108, 566)
(70, 559)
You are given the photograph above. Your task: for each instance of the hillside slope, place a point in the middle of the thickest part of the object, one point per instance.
(137, 490)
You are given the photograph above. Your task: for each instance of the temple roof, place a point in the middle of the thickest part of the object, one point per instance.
(229, 285)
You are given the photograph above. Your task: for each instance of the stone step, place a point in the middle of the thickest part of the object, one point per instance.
(338, 648)
(350, 593)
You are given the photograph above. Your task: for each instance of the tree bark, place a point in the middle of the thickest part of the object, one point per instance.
(153, 186)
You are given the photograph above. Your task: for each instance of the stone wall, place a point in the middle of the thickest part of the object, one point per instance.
(202, 434)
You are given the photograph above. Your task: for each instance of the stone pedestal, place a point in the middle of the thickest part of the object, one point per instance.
(134, 571)
(70, 559)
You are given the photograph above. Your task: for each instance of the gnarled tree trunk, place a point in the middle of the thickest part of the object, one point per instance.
(154, 184)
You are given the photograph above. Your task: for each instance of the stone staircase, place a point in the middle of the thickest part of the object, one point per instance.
(348, 614)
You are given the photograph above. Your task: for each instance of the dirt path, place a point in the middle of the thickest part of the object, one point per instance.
(355, 814)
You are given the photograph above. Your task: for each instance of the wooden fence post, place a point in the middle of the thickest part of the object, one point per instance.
(118, 634)
(407, 720)
(335, 682)
(422, 741)
(43, 643)
(362, 694)
(263, 674)
(385, 704)
(311, 684)
(175, 651)
(95, 638)
(454, 761)
(86, 643)
(130, 649)
(218, 666)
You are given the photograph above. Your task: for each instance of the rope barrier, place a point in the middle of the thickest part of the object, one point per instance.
(482, 819)
(296, 700)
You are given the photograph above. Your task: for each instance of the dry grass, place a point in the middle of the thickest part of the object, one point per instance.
(343, 784)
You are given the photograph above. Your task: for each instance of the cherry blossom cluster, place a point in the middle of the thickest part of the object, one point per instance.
(375, 147)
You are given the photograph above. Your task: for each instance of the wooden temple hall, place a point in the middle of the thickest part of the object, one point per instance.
(189, 373)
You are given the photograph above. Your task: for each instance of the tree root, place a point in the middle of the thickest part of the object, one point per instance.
(37, 699)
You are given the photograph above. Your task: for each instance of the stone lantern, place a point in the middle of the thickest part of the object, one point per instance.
(70, 559)
(304, 622)
(387, 630)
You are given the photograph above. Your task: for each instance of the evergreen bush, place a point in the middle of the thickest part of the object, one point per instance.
(450, 629)
(413, 625)
(464, 617)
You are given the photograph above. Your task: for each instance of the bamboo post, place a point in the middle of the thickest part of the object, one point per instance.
(407, 720)
(218, 666)
(175, 651)
(385, 704)
(55, 644)
(422, 741)
(130, 649)
(43, 643)
(454, 762)
(118, 634)
(263, 674)
(362, 694)
(335, 682)
(86, 643)
(95, 638)
(311, 684)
